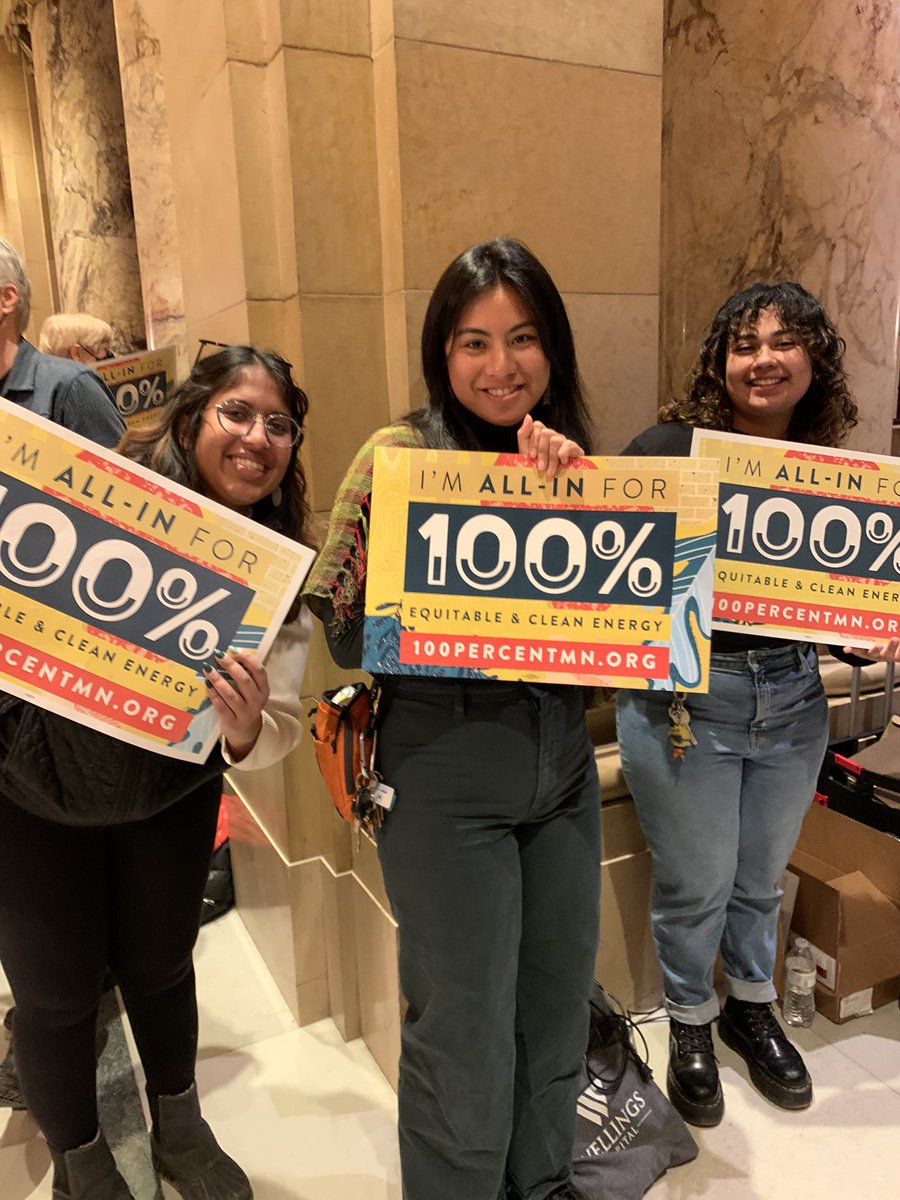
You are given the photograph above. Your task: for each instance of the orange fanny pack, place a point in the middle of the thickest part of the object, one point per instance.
(343, 732)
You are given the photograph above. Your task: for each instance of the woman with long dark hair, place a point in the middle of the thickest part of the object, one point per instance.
(491, 852)
(105, 846)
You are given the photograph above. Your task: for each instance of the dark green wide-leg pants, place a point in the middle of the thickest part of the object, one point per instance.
(491, 862)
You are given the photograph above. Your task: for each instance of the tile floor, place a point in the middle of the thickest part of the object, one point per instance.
(312, 1118)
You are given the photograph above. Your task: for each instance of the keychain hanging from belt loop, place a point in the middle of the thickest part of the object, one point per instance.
(373, 797)
(681, 736)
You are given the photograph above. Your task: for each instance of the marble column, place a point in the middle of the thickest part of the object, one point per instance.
(83, 133)
(781, 159)
(150, 167)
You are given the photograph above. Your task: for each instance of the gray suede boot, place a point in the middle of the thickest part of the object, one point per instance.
(186, 1154)
(88, 1172)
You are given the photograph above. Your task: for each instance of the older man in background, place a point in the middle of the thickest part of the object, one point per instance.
(59, 389)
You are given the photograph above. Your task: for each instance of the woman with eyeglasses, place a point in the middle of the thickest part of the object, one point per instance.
(93, 894)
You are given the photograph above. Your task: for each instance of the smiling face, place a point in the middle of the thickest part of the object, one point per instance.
(497, 367)
(768, 371)
(240, 470)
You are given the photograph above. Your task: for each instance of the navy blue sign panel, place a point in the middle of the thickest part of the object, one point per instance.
(581, 556)
(128, 586)
(808, 532)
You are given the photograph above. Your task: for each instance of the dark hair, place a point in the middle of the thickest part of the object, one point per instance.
(827, 412)
(506, 262)
(167, 445)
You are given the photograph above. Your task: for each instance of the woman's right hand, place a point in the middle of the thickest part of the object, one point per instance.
(879, 652)
(552, 451)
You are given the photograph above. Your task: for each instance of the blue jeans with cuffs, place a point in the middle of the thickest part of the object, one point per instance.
(721, 823)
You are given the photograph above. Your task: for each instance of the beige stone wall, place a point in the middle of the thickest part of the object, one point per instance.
(22, 222)
(781, 159)
(549, 130)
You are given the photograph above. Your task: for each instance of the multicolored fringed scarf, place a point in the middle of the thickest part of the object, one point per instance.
(339, 572)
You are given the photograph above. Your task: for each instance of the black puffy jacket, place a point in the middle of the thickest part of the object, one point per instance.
(66, 772)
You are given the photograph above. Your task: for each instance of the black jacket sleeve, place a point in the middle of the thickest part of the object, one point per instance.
(855, 660)
(345, 643)
(671, 438)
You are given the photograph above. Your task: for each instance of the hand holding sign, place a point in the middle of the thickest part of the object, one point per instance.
(237, 687)
(550, 450)
(481, 567)
(888, 652)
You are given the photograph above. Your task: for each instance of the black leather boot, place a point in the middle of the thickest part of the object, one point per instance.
(776, 1068)
(187, 1155)
(88, 1172)
(693, 1077)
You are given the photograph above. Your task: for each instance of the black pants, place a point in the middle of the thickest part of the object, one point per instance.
(76, 902)
(491, 860)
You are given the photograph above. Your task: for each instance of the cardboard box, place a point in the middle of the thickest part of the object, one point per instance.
(848, 908)
(626, 963)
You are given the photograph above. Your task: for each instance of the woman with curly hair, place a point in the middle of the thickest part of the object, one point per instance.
(722, 821)
(825, 412)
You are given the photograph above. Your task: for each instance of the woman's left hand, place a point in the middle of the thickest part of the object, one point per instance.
(881, 652)
(551, 450)
(238, 703)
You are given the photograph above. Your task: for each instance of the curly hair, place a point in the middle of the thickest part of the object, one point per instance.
(825, 414)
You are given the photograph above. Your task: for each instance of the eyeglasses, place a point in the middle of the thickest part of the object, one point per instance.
(239, 419)
(96, 357)
(208, 346)
(204, 348)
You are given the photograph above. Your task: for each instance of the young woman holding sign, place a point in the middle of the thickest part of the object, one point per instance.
(491, 852)
(721, 805)
(105, 846)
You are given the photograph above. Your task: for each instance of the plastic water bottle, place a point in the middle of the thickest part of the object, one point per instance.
(799, 984)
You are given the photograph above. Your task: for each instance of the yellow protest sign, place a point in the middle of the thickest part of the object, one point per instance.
(809, 540)
(116, 585)
(480, 567)
(140, 383)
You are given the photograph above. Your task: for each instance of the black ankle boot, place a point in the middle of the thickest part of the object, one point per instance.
(776, 1068)
(186, 1154)
(693, 1077)
(88, 1172)
(10, 1091)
